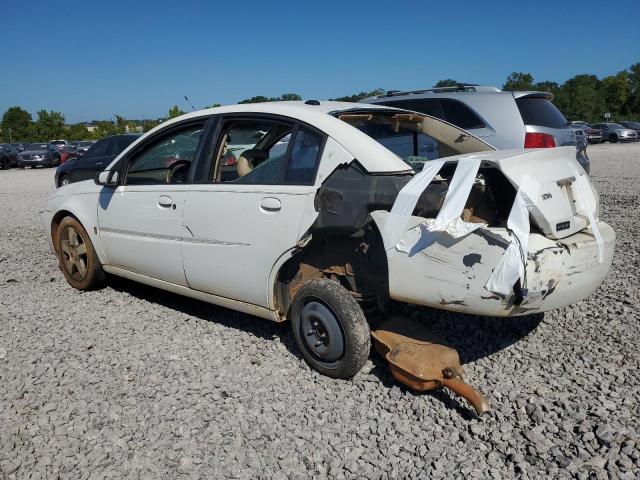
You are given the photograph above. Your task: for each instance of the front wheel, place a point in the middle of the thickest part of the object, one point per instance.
(613, 138)
(64, 180)
(77, 257)
(330, 329)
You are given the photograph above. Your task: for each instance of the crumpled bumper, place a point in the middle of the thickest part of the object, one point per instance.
(451, 273)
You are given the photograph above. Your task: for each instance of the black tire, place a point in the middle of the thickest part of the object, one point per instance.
(3, 164)
(77, 257)
(64, 180)
(613, 138)
(330, 329)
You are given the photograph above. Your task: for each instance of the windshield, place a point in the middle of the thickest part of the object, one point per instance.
(414, 137)
(38, 146)
(614, 125)
(57, 142)
(84, 144)
(632, 124)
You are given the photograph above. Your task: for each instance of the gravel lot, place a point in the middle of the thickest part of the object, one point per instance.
(134, 382)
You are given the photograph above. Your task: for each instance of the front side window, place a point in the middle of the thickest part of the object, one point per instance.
(167, 160)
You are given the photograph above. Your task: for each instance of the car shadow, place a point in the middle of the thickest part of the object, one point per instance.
(474, 337)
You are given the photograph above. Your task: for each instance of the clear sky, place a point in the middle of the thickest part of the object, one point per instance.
(91, 60)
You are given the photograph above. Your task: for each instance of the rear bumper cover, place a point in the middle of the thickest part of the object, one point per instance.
(451, 273)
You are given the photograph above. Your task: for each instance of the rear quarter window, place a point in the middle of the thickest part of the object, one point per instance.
(540, 112)
(460, 115)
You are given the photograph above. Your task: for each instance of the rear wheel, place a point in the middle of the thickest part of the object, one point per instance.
(77, 257)
(330, 328)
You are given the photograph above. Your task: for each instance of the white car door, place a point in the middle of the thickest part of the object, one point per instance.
(241, 227)
(140, 221)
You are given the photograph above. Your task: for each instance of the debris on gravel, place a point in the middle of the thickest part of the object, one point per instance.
(130, 381)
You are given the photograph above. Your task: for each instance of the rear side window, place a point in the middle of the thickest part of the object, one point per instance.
(460, 115)
(540, 112)
(427, 106)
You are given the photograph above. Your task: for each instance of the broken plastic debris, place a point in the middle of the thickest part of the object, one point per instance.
(585, 197)
(512, 264)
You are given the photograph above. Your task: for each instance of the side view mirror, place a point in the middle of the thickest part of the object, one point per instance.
(107, 178)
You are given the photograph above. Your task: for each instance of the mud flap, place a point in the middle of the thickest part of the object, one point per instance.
(421, 364)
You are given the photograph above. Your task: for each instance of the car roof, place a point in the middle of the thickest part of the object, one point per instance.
(372, 155)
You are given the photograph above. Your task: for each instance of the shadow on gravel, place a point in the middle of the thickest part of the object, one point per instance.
(474, 337)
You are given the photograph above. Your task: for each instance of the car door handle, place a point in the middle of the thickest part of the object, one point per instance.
(270, 204)
(165, 201)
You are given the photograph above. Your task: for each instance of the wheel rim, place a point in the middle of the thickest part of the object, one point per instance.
(321, 333)
(65, 181)
(73, 253)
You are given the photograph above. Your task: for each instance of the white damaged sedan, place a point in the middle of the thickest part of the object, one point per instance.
(318, 212)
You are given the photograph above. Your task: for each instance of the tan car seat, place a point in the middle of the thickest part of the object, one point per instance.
(249, 160)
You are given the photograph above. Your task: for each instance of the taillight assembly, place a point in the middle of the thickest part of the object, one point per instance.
(538, 140)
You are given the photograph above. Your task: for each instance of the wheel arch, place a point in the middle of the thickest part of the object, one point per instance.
(356, 261)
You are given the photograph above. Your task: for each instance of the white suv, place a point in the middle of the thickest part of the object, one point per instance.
(504, 119)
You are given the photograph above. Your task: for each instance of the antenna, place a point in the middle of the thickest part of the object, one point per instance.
(189, 102)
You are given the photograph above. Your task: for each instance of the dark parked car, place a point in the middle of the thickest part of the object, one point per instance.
(39, 154)
(8, 156)
(19, 146)
(632, 125)
(96, 159)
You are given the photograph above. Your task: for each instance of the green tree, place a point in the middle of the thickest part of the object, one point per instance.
(634, 90)
(175, 111)
(616, 91)
(257, 99)
(215, 105)
(582, 99)
(519, 81)
(15, 125)
(76, 132)
(447, 82)
(359, 96)
(48, 126)
(288, 97)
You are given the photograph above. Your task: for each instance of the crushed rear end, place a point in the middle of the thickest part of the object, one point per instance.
(514, 232)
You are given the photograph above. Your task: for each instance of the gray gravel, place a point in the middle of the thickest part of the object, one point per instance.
(134, 382)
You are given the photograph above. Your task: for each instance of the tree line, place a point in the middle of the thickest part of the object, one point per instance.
(583, 97)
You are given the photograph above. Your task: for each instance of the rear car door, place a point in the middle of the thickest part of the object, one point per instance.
(140, 221)
(242, 223)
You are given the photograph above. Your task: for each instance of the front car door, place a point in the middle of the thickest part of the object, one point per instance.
(140, 222)
(248, 211)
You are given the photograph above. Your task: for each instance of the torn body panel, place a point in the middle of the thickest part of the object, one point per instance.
(444, 272)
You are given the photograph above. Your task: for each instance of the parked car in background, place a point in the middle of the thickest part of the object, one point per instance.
(582, 140)
(334, 223)
(504, 119)
(632, 125)
(83, 146)
(8, 156)
(39, 155)
(614, 132)
(60, 144)
(593, 134)
(95, 159)
(19, 146)
(67, 153)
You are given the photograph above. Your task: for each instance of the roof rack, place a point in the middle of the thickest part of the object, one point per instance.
(468, 87)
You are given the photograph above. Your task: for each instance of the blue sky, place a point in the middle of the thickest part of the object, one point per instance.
(91, 60)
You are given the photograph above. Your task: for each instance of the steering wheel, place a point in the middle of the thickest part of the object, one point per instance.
(177, 168)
